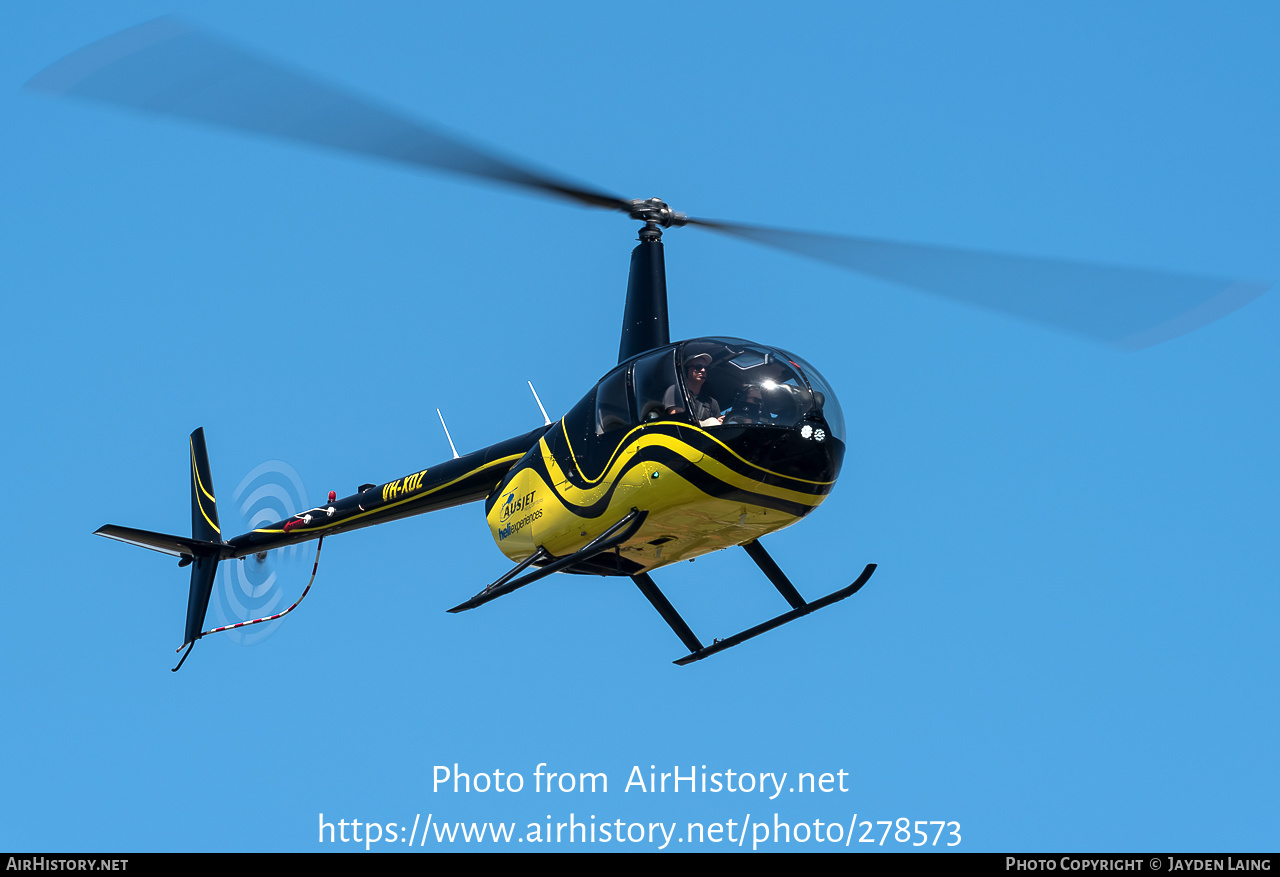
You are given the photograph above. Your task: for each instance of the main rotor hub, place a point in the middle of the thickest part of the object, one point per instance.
(655, 211)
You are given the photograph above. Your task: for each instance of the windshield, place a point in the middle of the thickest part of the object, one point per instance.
(737, 383)
(823, 395)
(709, 381)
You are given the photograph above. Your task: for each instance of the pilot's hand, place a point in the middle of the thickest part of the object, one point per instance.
(712, 421)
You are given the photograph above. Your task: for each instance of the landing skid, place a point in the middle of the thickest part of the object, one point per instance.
(697, 651)
(606, 541)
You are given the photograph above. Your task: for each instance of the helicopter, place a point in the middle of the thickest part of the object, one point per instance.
(680, 449)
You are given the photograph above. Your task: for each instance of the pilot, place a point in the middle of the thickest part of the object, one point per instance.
(703, 406)
(749, 406)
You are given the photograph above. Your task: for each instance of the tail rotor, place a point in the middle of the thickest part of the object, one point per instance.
(256, 586)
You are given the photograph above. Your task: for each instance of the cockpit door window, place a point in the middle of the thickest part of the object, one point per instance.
(653, 376)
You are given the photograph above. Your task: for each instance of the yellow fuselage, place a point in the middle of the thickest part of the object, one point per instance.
(700, 494)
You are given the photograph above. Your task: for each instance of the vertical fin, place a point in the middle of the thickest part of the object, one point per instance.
(203, 572)
(204, 508)
(204, 526)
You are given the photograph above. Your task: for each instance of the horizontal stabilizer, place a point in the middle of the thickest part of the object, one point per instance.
(178, 546)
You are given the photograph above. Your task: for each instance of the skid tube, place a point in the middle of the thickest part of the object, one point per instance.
(799, 608)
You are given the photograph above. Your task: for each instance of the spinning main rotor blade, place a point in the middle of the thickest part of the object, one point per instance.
(168, 68)
(171, 69)
(1130, 308)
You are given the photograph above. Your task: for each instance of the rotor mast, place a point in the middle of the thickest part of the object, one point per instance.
(644, 320)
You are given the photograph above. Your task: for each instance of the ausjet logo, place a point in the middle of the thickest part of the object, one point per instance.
(517, 526)
(513, 505)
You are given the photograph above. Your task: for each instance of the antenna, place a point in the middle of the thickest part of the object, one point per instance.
(446, 434)
(545, 419)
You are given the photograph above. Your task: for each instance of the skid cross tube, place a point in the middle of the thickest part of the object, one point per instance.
(774, 574)
(667, 611)
(611, 538)
(799, 608)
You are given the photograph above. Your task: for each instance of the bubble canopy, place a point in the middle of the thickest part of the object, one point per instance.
(712, 382)
(749, 384)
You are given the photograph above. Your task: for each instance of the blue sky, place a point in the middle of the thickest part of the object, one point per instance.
(1070, 640)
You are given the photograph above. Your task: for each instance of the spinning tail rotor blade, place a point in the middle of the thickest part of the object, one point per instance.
(1128, 308)
(172, 69)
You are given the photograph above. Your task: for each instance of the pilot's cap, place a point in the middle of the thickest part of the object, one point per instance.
(700, 359)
